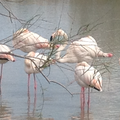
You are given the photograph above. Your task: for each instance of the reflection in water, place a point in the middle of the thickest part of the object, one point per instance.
(29, 103)
(32, 115)
(5, 113)
(0, 90)
(84, 115)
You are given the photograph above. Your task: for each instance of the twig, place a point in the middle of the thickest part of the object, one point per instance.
(10, 13)
(61, 85)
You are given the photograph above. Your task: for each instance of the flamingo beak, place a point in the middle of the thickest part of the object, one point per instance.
(57, 46)
(96, 85)
(11, 58)
(110, 54)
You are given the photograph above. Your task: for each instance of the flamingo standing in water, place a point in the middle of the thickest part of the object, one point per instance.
(88, 77)
(34, 63)
(84, 49)
(28, 41)
(5, 57)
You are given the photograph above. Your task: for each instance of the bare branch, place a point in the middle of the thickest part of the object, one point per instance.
(61, 85)
(10, 13)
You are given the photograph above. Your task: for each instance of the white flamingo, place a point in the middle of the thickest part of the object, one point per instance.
(87, 76)
(28, 41)
(34, 63)
(5, 57)
(84, 49)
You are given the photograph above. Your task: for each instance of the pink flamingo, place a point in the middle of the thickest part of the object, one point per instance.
(87, 77)
(5, 57)
(84, 49)
(35, 63)
(28, 41)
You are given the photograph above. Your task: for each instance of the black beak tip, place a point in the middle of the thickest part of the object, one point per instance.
(96, 89)
(51, 38)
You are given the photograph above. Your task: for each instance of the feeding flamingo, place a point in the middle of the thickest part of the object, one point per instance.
(5, 57)
(34, 63)
(88, 77)
(28, 41)
(84, 49)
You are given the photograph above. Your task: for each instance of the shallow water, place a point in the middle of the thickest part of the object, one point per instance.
(51, 101)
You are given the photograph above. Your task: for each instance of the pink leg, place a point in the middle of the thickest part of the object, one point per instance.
(1, 73)
(83, 94)
(28, 80)
(82, 97)
(0, 89)
(35, 84)
(28, 101)
(82, 102)
(88, 97)
(34, 108)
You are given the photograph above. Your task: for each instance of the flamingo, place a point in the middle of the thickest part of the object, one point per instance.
(34, 63)
(28, 41)
(84, 49)
(5, 57)
(88, 77)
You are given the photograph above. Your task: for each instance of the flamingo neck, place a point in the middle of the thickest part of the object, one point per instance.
(102, 54)
(28, 63)
(7, 57)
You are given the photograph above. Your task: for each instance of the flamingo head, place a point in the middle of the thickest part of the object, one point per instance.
(59, 37)
(96, 85)
(22, 30)
(57, 46)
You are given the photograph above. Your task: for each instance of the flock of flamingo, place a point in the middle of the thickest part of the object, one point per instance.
(82, 51)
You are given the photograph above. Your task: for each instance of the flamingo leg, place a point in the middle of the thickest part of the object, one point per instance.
(82, 102)
(34, 108)
(88, 98)
(28, 80)
(1, 73)
(0, 89)
(83, 94)
(35, 84)
(82, 97)
(82, 112)
(28, 100)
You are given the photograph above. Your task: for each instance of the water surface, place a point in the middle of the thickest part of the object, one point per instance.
(99, 19)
